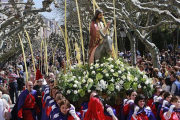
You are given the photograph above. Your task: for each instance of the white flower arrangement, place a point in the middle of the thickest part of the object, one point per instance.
(108, 77)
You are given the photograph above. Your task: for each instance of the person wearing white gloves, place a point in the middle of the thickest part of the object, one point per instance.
(73, 113)
(164, 105)
(127, 104)
(140, 111)
(67, 112)
(174, 110)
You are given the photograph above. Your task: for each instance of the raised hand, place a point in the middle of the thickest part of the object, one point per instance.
(110, 111)
(171, 108)
(130, 101)
(136, 109)
(165, 102)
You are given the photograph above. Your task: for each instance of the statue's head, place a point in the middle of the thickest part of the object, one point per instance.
(98, 15)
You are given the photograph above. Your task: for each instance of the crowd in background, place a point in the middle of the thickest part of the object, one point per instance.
(49, 99)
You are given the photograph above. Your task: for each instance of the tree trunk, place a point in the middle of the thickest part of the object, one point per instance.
(154, 52)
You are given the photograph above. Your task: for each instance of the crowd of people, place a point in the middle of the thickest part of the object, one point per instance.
(43, 99)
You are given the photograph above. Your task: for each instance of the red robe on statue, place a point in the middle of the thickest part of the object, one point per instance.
(95, 38)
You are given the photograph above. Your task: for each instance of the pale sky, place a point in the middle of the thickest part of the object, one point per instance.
(51, 15)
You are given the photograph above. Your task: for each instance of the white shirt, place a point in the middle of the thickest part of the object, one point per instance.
(3, 106)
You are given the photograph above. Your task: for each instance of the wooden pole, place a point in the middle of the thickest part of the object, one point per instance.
(24, 57)
(31, 50)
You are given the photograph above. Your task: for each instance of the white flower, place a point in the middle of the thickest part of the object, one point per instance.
(68, 91)
(117, 62)
(112, 70)
(75, 86)
(97, 60)
(89, 91)
(101, 81)
(104, 71)
(72, 79)
(102, 65)
(84, 72)
(122, 69)
(123, 77)
(107, 75)
(119, 72)
(93, 72)
(135, 79)
(106, 64)
(147, 82)
(110, 59)
(83, 81)
(90, 80)
(139, 86)
(144, 87)
(75, 92)
(76, 81)
(92, 64)
(122, 65)
(128, 78)
(86, 85)
(74, 76)
(121, 82)
(86, 76)
(112, 79)
(79, 78)
(145, 76)
(151, 86)
(117, 87)
(96, 65)
(112, 66)
(91, 67)
(79, 85)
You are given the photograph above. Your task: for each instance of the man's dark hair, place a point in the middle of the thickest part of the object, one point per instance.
(98, 11)
(168, 81)
(174, 75)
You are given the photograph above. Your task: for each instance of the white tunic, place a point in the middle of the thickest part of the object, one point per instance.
(2, 110)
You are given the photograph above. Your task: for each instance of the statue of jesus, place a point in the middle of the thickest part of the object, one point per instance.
(95, 37)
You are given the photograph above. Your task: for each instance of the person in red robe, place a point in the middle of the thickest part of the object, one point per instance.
(96, 110)
(174, 110)
(128, 104)
(38, 73)
(95, 37)
(157, 92)
(26, 107)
